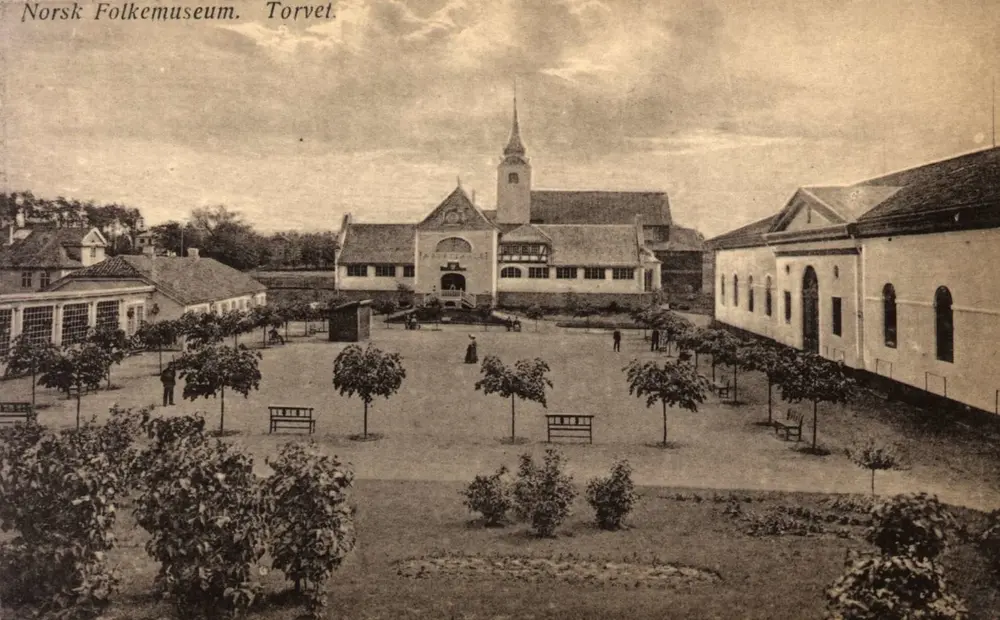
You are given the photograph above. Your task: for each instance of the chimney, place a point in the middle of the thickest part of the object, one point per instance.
(193, 253)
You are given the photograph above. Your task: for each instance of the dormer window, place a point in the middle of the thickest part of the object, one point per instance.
(513, 178)
(524, 252)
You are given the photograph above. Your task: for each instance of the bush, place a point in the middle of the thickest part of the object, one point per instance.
(200, 504)
(910, 525)
(893, 588)
(543, 495)
(58, 494)
(989, 540)
(874, 457)
(612, 498)
(490, 496)
(312, 526)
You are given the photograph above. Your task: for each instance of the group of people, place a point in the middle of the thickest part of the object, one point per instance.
(616, 339)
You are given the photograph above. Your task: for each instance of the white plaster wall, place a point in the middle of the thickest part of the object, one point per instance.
(558, 285)
(370, 282)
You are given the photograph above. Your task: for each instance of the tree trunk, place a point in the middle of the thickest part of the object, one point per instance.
(222, 412)
(815, 405)
(265, 337)
(769, 418)
(664, 424)
(713, 368)
(696, 360)
(159, 352)
(286, 331)
(109, 377)
(235, 339)
(78, 397)
(873, 483)
(512, 419)
(735, 399)
(32, 387)
(364, 430)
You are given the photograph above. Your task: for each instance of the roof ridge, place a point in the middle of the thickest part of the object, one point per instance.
(871, 181)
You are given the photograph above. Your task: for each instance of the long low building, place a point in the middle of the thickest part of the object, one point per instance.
(893, 276)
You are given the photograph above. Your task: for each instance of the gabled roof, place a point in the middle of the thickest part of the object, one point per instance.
(746, 236)
(45, 247)
(852, 202)
(456, 212)
(595, 207)
(592, 245)
(378, 243)
(526, 233)
(187, 280)
(681, 239)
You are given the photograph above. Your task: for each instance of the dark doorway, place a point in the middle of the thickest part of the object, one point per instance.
(452, 282)
(810, 311)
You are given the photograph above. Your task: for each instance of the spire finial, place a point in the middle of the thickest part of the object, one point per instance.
(458, 179)
(514, 145)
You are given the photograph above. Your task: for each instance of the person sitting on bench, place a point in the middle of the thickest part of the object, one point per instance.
(273, 336)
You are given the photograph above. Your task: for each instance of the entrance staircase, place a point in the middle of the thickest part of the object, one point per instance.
(456, 297)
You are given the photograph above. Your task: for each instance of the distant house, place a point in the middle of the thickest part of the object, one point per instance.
(188, 284)
(33, 257)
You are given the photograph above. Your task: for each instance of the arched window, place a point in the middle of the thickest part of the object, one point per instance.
(722, 290)
(768, 303)
(513, 178)
(510, 272)
(944, 326)
(889, 316)
(736, 291)
(750, 293)
(453, 244)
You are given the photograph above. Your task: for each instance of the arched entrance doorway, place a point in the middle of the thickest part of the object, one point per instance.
(810, 311)
(452, 282)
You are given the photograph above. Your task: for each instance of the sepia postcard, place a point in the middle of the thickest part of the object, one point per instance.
(510, 309)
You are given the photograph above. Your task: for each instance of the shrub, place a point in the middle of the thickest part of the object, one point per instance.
(910, 525)
(891, 588)
(989, 540)
(200, 504)
(612, 498)
(312, 525)
(543, 495)
(58, 494)
(490, 496)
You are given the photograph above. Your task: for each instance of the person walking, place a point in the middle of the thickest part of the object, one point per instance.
(654, 341)
(616, 336)
(169, 379)
(471, 356)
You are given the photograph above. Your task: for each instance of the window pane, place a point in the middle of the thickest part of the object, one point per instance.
(74, 323)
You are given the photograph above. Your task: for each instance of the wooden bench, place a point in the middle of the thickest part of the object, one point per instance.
(721, 388)
(12, 413)
(570, 426)
(791, 427)
(291, 418)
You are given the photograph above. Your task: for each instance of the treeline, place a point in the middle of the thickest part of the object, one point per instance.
(217, 232)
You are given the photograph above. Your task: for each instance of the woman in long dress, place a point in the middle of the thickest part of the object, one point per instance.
(471, 357)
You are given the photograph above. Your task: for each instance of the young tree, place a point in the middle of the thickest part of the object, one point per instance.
(367, 373)
(208, 371)
(76, 368)
(543, 496)
(693, 340)
(874, 457)
(674, 384)
(526, 380)
(724, 348)
(201, 329)
(115, 345)
(612, 498)
(158, 335)
(26, 356)
(773, 360)
(534, 312)
(671, 325)
(815, 379)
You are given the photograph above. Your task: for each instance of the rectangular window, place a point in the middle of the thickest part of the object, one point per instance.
(538, 272)
(593, 273)
(767, 302)
(6, 325)
(46, 279)
(788, 307)
(623, 273)
(93, 252)
(37, 324)
(385, 271)
(74, 323)
(566, 273)
(25, 279)
(357, 271)
(107, 315)
(409, 271)
(838, 325)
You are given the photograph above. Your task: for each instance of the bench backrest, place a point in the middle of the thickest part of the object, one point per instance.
(15, 408)
(291, 412)
(570, 420)
(795, 416)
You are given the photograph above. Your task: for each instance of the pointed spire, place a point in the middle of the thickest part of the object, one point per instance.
(514, 145)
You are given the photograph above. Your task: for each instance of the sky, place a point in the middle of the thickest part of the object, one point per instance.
(727, 105)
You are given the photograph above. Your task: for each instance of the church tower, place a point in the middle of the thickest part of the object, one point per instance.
(514, 181)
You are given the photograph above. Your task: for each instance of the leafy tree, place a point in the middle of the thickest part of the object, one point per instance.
(674, 384)
(114, 343)
(76, 368)
(693, 340)
(874, 457)
(773, 360)
(157, 336)
(27, 356)
(526, 379)
(201, 329)
(208, 371)
(490, 496)
(306, 485)
(367, 373)
(670, 324)
(543, 495)
(265, 317)
(813, 378)
(571, 303)
(614, 497)
(914, 525)
(893, 588)
(534, 312)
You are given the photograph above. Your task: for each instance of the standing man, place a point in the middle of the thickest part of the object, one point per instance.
(617, 337)
(168, 378)
(654, 341)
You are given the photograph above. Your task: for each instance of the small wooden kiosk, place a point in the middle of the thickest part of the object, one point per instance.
(351, 322)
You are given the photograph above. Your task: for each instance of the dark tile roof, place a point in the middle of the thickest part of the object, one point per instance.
(526, 233)
(684, 239)
(379, 243)
(188, 280)
(586, 207)
(971, 180)
(45, 247)
(592, 245)
(745, 236)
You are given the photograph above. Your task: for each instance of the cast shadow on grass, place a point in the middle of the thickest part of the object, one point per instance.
(225, 433)
(366, 438)
(763, 424)
(516, 441)
(669, 445)
(810, 451)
